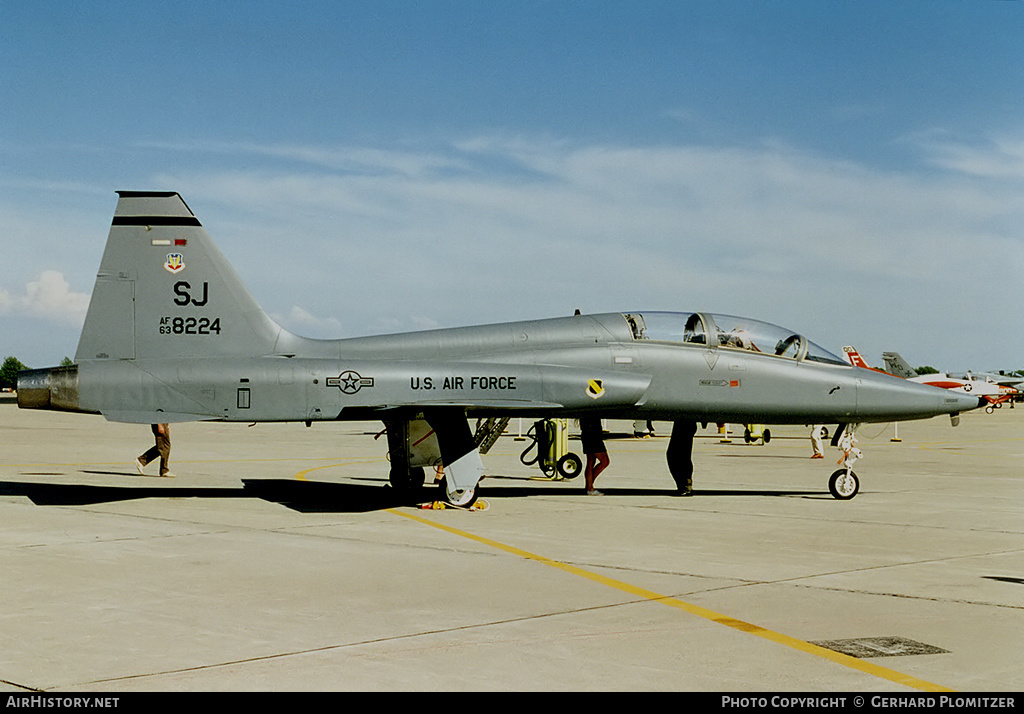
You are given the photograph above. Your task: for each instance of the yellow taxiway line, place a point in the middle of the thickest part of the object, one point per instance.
(702, 612)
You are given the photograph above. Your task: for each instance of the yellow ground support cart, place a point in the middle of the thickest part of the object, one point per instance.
(756, 432)
(551, 439)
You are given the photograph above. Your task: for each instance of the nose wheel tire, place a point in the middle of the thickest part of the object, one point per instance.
(460, 499)
(844, 484)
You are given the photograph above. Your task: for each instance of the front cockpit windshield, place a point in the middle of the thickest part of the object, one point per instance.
(727, 331)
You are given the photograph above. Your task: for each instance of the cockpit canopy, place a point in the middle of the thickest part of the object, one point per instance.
(726, 331)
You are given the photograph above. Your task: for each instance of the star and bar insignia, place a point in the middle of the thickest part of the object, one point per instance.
(350, 381)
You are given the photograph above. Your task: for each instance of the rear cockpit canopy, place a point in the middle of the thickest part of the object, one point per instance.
(726, 331)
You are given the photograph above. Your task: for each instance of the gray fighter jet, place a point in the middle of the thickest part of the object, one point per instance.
(173, 335)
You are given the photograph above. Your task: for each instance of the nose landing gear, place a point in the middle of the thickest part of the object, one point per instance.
(844, 484)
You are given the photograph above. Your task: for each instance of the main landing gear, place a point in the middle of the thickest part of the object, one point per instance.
(433, 438)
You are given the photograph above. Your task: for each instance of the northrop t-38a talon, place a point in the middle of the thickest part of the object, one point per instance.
(172, 335)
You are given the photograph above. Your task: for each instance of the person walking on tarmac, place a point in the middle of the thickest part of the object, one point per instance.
(816, 432)
(597, 455)
(162, 448)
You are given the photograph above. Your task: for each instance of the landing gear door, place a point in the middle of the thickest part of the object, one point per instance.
(423, 447)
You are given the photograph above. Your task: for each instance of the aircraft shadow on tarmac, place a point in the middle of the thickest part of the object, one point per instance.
(301, 496)
(499, 492)
(325, 497)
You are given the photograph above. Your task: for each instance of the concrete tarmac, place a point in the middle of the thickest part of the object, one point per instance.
(277, 559)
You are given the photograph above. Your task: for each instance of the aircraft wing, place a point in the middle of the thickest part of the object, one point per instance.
(490, 386)
(275, 389)
(155, 417)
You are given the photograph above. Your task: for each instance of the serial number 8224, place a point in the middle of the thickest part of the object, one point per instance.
(189, 326)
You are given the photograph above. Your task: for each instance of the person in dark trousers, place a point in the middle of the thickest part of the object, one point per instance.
(162, 449)
(680, 456)
(597, 455)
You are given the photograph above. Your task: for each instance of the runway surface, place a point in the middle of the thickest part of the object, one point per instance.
(277, 559)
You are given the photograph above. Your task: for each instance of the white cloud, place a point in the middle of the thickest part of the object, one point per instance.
(1000, 158)
(50, 298)
(305, 323)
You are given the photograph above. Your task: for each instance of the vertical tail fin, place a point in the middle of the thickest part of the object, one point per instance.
(854, 357)
(894, 364)
(164, 290)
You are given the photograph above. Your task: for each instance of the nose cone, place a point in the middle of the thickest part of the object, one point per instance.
(962, 401)
(882, 397)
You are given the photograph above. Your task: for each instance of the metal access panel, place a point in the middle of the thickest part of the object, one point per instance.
(866, 647)
(112, 333)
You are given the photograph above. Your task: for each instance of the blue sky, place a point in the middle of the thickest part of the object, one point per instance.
(852, 170)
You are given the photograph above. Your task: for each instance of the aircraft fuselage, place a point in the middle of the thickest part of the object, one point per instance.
(569, 366)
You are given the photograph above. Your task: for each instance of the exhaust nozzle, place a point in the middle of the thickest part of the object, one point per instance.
(54, 388)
